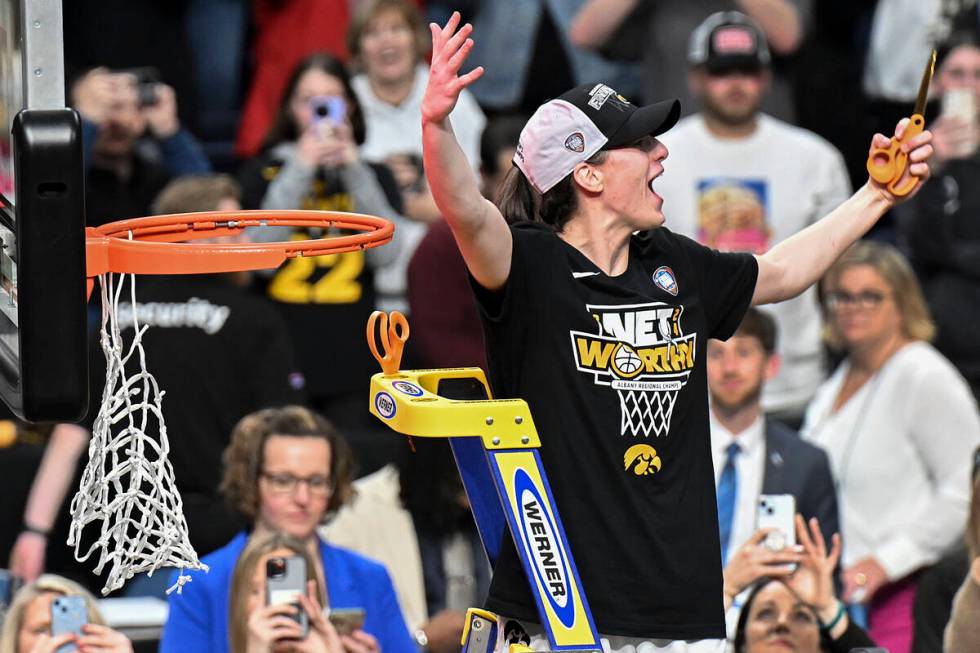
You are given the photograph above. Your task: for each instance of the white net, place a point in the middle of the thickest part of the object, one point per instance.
(128, 485)
(646, 412)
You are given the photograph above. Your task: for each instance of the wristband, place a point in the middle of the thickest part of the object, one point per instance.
(27, 528)
(836, 620)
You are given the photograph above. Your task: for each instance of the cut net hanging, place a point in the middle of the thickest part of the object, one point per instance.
(646, 412)
(128, 484)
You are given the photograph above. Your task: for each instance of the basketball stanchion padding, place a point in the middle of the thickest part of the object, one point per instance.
(127, 486)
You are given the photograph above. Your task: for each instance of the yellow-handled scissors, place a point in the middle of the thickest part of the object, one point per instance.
(887, 165)
(393, 334)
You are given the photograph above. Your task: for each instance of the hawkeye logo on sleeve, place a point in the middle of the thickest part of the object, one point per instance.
(641, 351)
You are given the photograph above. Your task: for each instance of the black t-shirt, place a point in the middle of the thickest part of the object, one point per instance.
(109, 197)
(613, 372)
(218, 354)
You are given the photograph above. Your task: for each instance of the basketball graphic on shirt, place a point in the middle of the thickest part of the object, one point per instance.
(626, 363)
(641, 352)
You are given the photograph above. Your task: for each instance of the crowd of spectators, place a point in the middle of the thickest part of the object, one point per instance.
(859, 397)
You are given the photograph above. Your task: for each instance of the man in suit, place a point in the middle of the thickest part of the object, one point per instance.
(754, 455)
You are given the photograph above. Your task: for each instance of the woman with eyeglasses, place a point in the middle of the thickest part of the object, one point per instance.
(899, 424)
(286, 470)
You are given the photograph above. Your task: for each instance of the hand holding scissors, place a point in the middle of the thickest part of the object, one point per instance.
(889, 162)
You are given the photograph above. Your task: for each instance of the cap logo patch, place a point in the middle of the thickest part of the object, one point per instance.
(575, 142)
(598, 96)
(663, 278)
(733, 40)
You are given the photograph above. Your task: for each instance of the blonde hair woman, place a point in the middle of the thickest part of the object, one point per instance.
(27, 625)
(899, 423)
(254, 627)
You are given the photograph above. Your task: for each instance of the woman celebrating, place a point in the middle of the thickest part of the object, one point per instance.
(603, 333)
(899, 424)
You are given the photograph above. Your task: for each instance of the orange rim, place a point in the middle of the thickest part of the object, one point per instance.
(159, 244)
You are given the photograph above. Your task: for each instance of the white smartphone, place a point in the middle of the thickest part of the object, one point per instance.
(777, 511)
(962, 103)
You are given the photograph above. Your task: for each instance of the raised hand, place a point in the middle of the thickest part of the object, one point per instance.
(269, 624)
(360, 642)
(952, 138)
(813, 581)
(323, 637)
(919, 149)
(103, 639)
(27, 556)
(449, 50)
(161, 116)
(46, 643)
(754, 561)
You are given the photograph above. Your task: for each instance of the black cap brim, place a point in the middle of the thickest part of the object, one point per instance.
(651, 120)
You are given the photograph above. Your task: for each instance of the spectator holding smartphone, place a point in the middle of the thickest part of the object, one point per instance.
(27, 625)
(286, 470)
(940, 226)
(797, 609)
(255, 626)
(310, 160)
(133, 143)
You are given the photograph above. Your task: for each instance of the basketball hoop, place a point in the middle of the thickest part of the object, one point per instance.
(646, 410)
(128, 483)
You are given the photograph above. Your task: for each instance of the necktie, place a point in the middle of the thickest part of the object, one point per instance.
(727, 491)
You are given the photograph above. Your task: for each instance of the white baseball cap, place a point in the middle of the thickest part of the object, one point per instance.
(571, 128)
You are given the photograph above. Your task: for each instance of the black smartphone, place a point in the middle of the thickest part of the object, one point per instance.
(285, 582)
(147, 80)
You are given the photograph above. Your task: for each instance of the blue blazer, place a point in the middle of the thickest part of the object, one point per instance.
(198, 619)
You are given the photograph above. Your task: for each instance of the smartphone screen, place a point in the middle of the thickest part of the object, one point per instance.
(777, 511)
(68, 615)
(285, 581)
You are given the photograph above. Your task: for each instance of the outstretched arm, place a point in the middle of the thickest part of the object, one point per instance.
(798, 262)
(482, 233)
(57, 469)
(597, 20)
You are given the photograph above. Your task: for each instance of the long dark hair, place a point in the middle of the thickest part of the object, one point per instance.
(743, 617)
(517, 199)
(285, 129)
